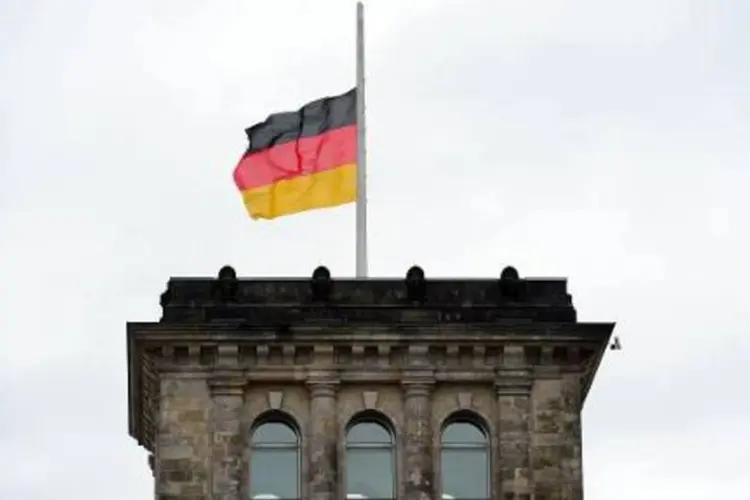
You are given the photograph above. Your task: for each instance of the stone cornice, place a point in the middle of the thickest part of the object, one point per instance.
(494, 332)
(262, 314)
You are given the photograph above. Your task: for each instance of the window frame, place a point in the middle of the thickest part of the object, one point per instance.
(478, 422)
(370, 417)
(253, 448)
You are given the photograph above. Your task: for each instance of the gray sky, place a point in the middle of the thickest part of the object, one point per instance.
(604, 141)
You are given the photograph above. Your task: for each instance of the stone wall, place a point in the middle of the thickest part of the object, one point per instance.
(556, 438)
(205, 424)
(183, 458)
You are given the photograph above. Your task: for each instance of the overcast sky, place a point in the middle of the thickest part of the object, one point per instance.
(607, 141)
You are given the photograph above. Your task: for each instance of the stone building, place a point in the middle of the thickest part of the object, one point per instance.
(324, 389)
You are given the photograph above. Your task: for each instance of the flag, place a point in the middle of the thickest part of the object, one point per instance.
(301, 160)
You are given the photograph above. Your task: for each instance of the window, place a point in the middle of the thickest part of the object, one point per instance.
(274, 462)
(369, 461)
(465, 461)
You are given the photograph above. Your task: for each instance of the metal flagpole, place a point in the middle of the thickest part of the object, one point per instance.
(361, 149)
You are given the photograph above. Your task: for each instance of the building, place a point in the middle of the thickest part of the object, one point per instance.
(325, 389)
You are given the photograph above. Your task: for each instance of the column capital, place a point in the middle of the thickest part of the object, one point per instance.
(227, 386)
(513, 381)
(417, 386)
(513, 387)
(322, 388)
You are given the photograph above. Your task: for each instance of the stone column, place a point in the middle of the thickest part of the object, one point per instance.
(183, 455)
(556, 450)
(418, 476)
(227, 396)
(572, 462)
(514, 411)
(322, 450)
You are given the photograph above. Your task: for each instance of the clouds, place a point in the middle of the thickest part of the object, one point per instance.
(604, 141)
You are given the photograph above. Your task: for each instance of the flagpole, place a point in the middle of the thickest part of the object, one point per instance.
(361, 148)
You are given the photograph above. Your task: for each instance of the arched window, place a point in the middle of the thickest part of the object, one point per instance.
(369, 461)
(465, 461)
(274, 461)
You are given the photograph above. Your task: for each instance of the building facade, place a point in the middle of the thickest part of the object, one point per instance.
(328, 389)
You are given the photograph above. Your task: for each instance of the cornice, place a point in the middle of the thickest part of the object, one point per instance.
(232, 332)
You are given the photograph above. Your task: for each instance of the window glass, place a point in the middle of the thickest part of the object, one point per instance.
(370, 462)
(274, 462)
(274, 433)
(465, 465)
(464, 433)
(368, 432)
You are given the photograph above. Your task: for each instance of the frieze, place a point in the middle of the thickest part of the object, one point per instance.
(335, 315)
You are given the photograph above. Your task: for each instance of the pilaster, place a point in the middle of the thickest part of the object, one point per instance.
(513, 387)
(227, 399)
(556, 443)
(323, 470)
(182, 464)
(418, 470)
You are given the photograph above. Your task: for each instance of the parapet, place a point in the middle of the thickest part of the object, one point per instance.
(412, 299)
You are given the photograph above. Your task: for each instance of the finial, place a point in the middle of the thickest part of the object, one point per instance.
(512, 288)
(416, 287)
(321, 284)
(225, 286)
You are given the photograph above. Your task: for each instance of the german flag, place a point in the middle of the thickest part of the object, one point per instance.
(301, 160)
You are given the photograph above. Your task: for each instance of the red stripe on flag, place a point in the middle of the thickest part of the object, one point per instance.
(305, 156)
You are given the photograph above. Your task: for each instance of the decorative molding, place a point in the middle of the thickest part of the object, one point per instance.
(322, 389)
(416, 356)
(261, 353)
(227, 386)
(502, 332)
(323, 354)
(322, 384)
(288, 353)
(370, 399)
(322, 315)
(358, 354)
(479, 352)
(418, 383)
(546, 354)
(452, 354)
(167, 352)
(384, 352)
(464, 400)
(514, 355)
(227, 354)
(275, 399)
(513, 386)
(514, 381)
(547, 371)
